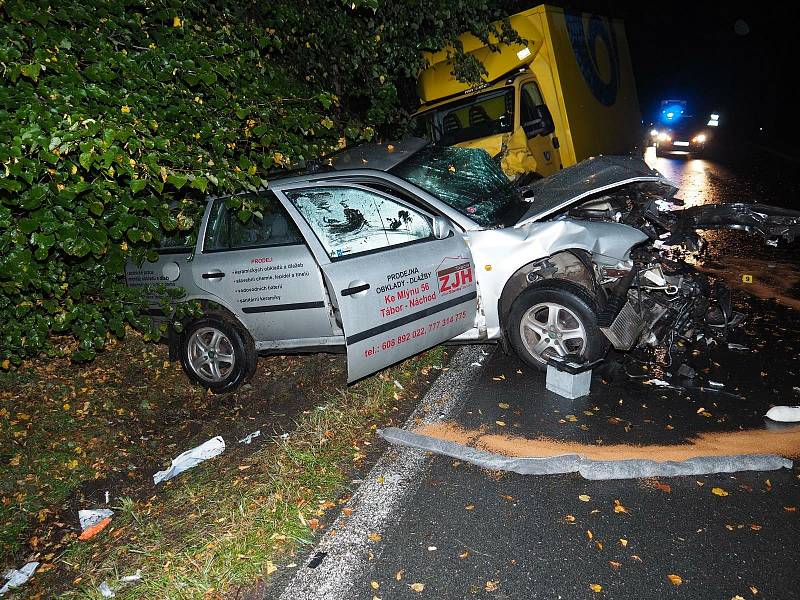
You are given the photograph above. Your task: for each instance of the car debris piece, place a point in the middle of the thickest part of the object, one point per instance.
(213, 447)
(567, 378)
(89, 518)
(784, 414)
(686, 371)
(250, 437)
(18, 577)
(132, 578)
(105, 590)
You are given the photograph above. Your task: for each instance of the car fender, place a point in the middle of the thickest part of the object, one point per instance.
(501, 253)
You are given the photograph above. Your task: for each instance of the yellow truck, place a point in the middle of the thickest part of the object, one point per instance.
(567, 94)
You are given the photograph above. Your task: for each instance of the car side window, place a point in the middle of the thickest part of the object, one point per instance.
(350, 221)
(268, 225)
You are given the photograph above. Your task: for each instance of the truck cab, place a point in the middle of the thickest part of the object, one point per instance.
(565, 94)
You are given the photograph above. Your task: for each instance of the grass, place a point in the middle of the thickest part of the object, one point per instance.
(235, 519)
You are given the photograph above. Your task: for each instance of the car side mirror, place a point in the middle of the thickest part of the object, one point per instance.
(442, 228)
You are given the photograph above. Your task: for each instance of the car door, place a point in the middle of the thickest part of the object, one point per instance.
(399, 288)
(537, 123)
(262, 271)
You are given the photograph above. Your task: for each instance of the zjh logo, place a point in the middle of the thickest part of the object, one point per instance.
(454, 278)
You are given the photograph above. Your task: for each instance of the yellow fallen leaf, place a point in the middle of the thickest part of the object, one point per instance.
(502, 405)
(596, 587)
(6, 364)
(571, 418)
(675, 579)
(399, 575)
(584, 497)
(753, 590)
(469, 507)
(718, 491)
(618, 508)
(463, 555)
(737, 597)
(126, 109)
(614, 564)
(176, 22)
(569, 518)
(501, 423)
(374, 537)
(375, 585)
(589, 534)
(624, 542)
(491, 586)
(417, 587)
(271, 568)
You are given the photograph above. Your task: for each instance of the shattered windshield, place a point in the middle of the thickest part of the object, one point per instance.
(466, 179)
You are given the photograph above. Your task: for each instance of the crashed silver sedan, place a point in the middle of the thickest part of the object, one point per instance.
(383, 251)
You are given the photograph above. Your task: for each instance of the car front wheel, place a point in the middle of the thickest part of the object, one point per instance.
(217, 354)
(555, 319)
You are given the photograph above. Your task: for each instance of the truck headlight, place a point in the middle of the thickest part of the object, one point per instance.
(699, 139)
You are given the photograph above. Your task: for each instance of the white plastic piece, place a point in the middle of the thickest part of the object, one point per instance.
(131, 578)
(89, 518)
(658, 383)
(105, 590)
(250, 437)
(18, 577)
(784, 414)
(716, 384)
(568, 385)
(213, 447)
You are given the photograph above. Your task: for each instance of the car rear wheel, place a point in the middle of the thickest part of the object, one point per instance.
(217, 354)
(555, 319)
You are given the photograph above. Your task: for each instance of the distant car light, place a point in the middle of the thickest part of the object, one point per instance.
(664, 137)
(714, 117)
(699, 139)
(713, 123)
(654, 133)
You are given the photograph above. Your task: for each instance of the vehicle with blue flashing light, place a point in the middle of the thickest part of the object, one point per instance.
(680, 132)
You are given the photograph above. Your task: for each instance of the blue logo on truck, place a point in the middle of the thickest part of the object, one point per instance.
(584, 35)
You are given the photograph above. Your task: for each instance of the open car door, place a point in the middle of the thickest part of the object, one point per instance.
(402, 280)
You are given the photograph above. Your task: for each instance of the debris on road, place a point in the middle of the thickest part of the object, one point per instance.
(191, 458)
(132, 578)
(250, 437)
(90, 518)
(749, 451)
(784, 414)
(18, 577)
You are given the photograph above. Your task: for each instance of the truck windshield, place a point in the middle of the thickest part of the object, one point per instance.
(466, 179)
(480, 116)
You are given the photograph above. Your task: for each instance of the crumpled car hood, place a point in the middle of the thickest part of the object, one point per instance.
(590, 177)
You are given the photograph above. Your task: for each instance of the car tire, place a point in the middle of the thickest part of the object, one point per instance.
(571, 331)
(217, 353)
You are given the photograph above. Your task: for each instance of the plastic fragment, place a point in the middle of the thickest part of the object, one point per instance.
(93, 530)
(131, 578)
(784, 414)
(18, 577)
(658, 382)
(250, 437)
(191, 458)
(716, 384)
(88, 518)
(105, 590)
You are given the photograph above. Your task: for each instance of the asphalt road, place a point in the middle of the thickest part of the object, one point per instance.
(464, 532)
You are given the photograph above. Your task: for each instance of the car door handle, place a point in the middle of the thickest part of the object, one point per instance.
(355, 289)
(213, 275)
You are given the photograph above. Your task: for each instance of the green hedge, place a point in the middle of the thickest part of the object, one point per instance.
(117, 116)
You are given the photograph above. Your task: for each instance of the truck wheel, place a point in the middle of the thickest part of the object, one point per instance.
(556, 318)
(217, 354)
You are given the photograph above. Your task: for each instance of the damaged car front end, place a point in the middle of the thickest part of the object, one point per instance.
(653, 298)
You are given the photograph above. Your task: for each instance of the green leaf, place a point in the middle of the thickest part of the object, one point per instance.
(177, 180)
(200, 183)
(31, 71)
(137, 185)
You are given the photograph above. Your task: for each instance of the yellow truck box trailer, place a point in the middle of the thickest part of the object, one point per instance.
(567, 94)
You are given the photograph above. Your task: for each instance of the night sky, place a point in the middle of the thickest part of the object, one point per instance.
(739, 59)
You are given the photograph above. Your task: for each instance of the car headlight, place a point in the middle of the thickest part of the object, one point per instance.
(654, 133)
(664, 137)
(699, 139)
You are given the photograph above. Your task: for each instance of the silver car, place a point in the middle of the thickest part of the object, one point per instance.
(383, 251)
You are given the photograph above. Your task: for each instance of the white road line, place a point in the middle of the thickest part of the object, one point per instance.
(380, 501)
